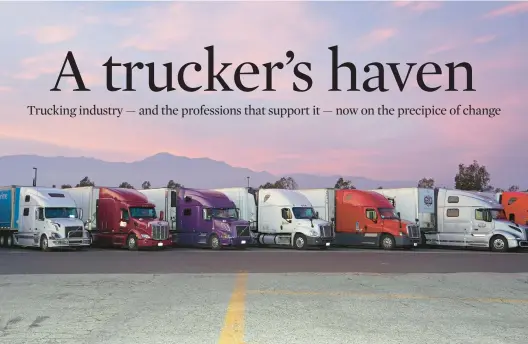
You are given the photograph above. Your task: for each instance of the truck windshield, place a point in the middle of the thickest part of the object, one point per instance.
(224, 213)
(498, 214)
(60, 213)
(303, 213)
(388, 213)
(142, 213)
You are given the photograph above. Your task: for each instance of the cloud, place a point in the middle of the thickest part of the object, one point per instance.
(5, 89)
(36, 66)
(484, 39)
(513, 9)
(376, 37)
(51, 34)
(441, 49)
(418, 6)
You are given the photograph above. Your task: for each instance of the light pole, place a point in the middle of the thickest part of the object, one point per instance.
(35, 177)
(248, 181)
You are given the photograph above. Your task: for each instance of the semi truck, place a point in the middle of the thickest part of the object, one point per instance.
(458, 218)
(40, 217)
(363, 218)
(201, 218)
(120, 217)
(515, 205)
(281, 218)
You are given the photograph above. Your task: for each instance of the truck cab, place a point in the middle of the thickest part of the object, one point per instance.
(286, 217)
(121, 217)
(515, 205)
(209, 218)
(368, 218)
(467, 219)
(44, 217)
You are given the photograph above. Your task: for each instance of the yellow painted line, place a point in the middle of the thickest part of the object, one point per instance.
(385, 296)
(233, 330)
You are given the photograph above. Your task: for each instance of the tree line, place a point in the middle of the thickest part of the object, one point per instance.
(473, 177)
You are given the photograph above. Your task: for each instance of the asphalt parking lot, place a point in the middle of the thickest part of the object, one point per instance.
(78, 297)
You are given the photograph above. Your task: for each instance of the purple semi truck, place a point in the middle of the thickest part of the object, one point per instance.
(200, 218)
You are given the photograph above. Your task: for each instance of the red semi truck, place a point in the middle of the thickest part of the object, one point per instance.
(119, 217)
(363, 218)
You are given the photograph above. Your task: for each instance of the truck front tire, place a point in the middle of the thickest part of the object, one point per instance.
(214, 242)
(299, 241)
(498, 243)
(387, 242)
(44, 244)
(132, 243)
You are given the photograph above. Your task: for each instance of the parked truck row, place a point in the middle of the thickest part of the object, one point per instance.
(237, 217)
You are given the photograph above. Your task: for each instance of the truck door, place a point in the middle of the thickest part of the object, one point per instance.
(371, 228)
(481, 227)
(25, 227)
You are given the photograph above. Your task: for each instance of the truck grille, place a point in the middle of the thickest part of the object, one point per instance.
(242, 230)
(160, 232)
(326, 231)
(413, 231)
(73, 232)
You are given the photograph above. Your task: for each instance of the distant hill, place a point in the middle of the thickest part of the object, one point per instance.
(158, 169)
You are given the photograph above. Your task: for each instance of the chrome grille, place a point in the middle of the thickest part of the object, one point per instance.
(413, 232)
(73, 232)
(160, 232)
(242, 230)
(326, 231)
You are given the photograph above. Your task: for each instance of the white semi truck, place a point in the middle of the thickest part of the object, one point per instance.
(458, 218)
(40, 217)
(281, 217)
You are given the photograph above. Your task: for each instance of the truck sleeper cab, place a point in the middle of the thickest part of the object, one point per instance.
(286, 217)
(201, 218)
(467, 219)
(40, 217)
(121, 218)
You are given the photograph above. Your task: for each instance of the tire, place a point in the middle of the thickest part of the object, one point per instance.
(214, 242)
(387, 242)
(9, 240)
(2, 240)
(299, 241)
(44, 244)
(498, 243)
(132, 243)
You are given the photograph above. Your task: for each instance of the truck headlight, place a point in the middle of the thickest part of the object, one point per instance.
(145, 236)
(314, 233)
(55, 236)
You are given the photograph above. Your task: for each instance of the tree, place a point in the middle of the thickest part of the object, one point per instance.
(380, 187)
(145, 185)
(283, 183)
(126, 185)
(66, 186)
(85, 182)
(513, 188)
(173, 185)
(426, 183)
(498, 190)
(472, 178)
(343, 184)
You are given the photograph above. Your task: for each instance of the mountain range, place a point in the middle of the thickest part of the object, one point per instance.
(158, 170)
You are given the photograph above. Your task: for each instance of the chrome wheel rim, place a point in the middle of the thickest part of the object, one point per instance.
(387, 242)
(498, 244)
(299, 242)
(131, 242)
(214, 242)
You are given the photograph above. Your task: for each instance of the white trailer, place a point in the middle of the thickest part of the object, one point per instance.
(283, 217)
(40, 217)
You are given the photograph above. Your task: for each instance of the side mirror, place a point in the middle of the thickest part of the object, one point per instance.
(399, 216)
(416, 220)
(161, 215)
(332, 219)
(289, 221)
(317, 214)
(80, 212)
(375, 220)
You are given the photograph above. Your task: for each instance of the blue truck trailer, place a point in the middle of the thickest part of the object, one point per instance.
(40, 217)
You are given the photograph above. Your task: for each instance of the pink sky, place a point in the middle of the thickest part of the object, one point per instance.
(486, 34)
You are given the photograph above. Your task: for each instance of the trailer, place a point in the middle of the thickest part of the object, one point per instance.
(40, 217)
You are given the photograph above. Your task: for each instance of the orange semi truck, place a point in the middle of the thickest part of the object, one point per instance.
(515, 205)
(362, 218)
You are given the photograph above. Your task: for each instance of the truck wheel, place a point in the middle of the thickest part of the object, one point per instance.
(2, 240)
(299, 241)
(214, 242)
(44, 245)
(387, 242)
(9, 240)
(132, 244)
(499, 244)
